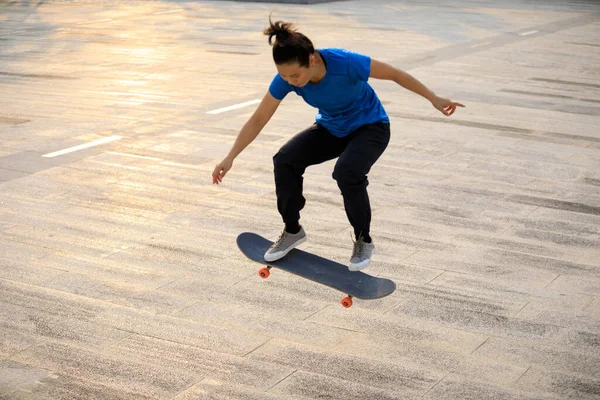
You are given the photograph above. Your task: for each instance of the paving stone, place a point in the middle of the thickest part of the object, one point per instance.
(313, 385)
(539, 312)
(59, 386)
(181, 330)
(435, 361)
(543, 354)
(339, 370)
(549, 220)
(134, 273)
(9, 175)
(27, 271)
(16, 253)
(38, 326)
(553, 297)
(49, 301)
(118, 292)
(57, 237)
(207, 281)
(212, 389)
(579, 340)
(562, 385)
(558, 239)
(452, 297)
(149, 380)
(249, 317)
(210, 364)
(176, 250)
(456, 388)
(541, 270)
(477, 321)
(282, 294)
(594, 307)
(12, 342)
(482, 262)
(28, 162)
(510, 243)
(400, 329)
(14, 374)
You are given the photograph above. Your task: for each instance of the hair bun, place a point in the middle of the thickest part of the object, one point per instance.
(281, 30)
(282, 34)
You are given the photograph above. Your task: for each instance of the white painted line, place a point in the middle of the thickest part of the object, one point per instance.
(83, 146)
(528, 33)
(168, 12)
(134, 156)
(233, 107)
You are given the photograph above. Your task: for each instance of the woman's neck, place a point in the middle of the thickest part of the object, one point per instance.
(320, 69)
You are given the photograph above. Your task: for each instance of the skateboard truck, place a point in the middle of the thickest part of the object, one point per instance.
(265, 272)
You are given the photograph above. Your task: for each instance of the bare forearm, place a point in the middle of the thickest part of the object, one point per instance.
(247, 134)
(381, 70)
(409, 82)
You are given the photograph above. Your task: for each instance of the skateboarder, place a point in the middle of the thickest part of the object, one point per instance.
(351, 125)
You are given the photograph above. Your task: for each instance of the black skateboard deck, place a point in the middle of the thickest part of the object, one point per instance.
(318, 269)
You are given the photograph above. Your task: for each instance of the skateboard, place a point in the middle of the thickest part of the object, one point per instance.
(318, 269)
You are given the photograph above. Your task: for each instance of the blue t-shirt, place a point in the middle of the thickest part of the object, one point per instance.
(343, 97)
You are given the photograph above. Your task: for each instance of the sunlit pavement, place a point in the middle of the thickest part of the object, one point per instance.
(119, 273)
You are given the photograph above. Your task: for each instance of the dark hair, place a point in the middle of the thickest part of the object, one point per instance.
(289, 45)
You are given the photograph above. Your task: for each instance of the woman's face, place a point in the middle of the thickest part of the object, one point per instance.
(296, 75)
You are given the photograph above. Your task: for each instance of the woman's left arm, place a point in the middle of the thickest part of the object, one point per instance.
(381, 70)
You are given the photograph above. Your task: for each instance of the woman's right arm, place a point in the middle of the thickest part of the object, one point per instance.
(248, 133)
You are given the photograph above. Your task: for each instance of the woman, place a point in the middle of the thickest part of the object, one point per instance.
(351, 125)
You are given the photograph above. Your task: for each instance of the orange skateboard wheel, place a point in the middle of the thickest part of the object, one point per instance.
(264, 273)
(347, 302)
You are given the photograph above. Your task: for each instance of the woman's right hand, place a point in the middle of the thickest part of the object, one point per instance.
(221, 169)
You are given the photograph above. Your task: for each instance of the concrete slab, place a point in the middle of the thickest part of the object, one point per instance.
(335, 368)
(62, 386)
(14, 375)
(150, 380)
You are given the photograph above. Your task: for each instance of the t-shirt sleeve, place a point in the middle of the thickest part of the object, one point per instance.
(279, 88)
(359, 66)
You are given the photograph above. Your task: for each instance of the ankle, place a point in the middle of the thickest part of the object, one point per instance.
(366, 239)
(292, 228)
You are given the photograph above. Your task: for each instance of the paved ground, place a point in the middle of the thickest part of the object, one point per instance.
(119, 274)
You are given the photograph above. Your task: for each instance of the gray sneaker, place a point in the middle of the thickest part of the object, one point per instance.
(285, 243)
(361, 255)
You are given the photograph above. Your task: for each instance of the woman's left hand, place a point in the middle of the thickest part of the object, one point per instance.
(446, 106)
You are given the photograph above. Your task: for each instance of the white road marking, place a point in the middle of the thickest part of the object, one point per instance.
(233, 107)
(527, 33)
(83, 146)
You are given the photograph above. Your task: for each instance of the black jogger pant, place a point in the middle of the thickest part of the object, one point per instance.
(357, 153)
